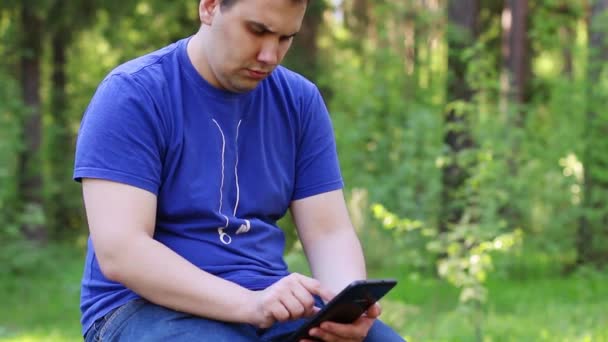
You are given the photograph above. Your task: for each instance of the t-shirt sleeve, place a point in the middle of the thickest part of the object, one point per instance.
(120, 136)
(317, 166)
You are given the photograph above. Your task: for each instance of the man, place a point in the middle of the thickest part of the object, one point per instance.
(188, 156)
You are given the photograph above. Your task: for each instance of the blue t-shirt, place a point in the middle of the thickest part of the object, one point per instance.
(224, 166)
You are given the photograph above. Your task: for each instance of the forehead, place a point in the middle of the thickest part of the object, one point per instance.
(283, 16)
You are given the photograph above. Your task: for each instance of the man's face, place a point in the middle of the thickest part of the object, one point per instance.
(249, 39)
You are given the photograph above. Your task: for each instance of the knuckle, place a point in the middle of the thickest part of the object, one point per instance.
(282, 316)
(287, 282)
(267, 321)
(279, 291)
(308, 305)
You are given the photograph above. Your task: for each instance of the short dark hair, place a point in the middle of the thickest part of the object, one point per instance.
(226, 4)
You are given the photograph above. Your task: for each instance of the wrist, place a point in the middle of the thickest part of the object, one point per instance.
(245, 307)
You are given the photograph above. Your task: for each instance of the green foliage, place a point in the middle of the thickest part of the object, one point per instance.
(464, 254)
(524, 176)
(11, 109)
(387, 127)
(536, 170)
(593, 235)
(386, 91)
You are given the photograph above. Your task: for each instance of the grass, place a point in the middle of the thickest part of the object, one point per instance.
(41, 300)
(41, 304)
(535, 309)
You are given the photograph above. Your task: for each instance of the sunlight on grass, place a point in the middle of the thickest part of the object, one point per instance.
(51, 336)
(568, 309)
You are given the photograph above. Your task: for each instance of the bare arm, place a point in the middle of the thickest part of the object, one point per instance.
(121, 221)
(335, 256)
(329, 239)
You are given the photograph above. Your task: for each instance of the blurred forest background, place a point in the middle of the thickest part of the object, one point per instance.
(472, 136)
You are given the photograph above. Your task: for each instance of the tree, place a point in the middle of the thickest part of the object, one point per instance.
(64, 22)
(358, 19)
(516, 72)
(304, 53)
(59, 137)
(592, 233)
(30, 177)
(463, 30)
(516, 61)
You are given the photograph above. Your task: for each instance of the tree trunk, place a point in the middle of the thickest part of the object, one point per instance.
(592, 234)
(60, 140)
(463, 16)
(357, 19)
(516, 66)
(516, 72)
(568, 35)
(303, 56)
(30, 170)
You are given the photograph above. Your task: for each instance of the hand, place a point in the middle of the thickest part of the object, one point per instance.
(289, 298)
(354, 332)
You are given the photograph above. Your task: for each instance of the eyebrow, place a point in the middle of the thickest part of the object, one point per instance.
(267, 29)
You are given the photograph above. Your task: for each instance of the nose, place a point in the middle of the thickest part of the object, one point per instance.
(269, 51)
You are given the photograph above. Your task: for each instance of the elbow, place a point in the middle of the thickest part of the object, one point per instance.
(111, 271)
(111, 264)
(120, 257)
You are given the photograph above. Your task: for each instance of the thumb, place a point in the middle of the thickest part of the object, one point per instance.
(326, 294)
(374, 311)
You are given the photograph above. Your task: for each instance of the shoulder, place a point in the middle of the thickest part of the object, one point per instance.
(148, 62)
(148, 71)
(136, 89)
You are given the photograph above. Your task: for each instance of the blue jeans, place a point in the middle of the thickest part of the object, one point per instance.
(140, 320)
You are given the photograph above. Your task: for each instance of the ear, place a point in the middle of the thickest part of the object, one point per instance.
(207, 9)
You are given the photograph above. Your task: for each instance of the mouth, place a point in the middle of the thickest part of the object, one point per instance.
(257, 74)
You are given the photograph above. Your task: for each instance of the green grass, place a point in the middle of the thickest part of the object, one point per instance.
(42, 305)
(544, 309)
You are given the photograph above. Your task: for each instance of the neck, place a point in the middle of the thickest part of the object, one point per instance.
(196, 53)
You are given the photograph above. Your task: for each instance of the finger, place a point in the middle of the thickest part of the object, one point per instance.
(267, 321)
(305, 298)
(374, 311)
(329, 336)
(356, 330)
(326, 294)
(293, 306)
(314, 286)
(280, 312)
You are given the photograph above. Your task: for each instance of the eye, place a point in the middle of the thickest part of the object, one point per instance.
(258, 31)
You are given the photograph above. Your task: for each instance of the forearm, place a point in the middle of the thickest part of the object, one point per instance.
(336, 258)
(163, 277)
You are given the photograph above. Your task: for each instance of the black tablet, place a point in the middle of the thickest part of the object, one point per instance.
(347, 306)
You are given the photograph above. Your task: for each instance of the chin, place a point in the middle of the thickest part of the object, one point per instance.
(244, 87)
